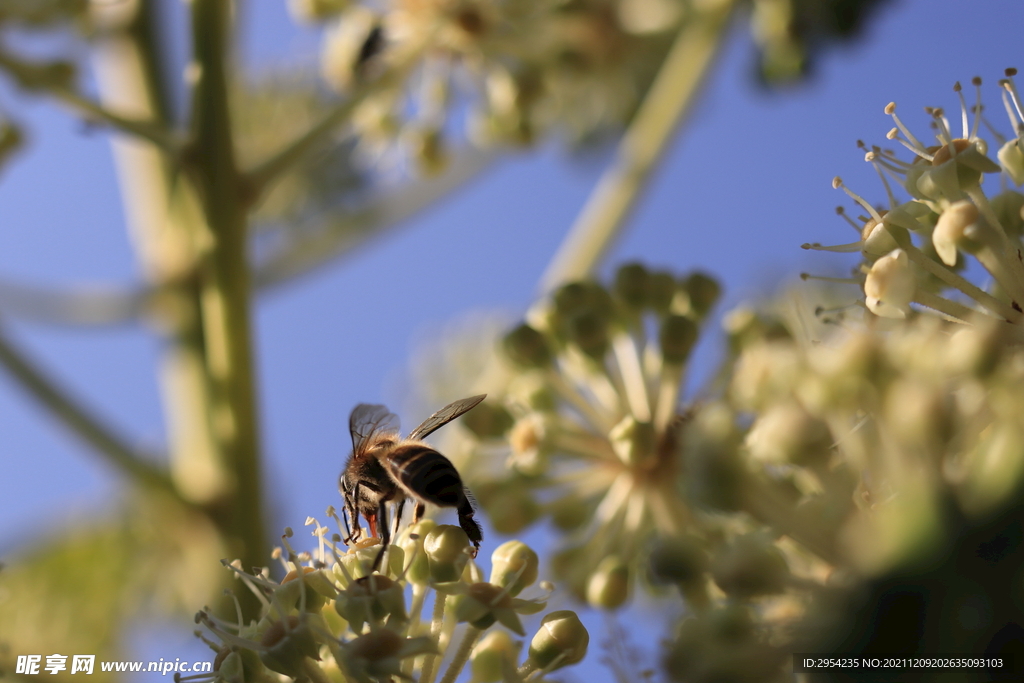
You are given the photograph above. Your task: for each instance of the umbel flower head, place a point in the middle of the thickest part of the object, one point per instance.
(593, 419)
(330, 619)
(915, 250)
(529, 66)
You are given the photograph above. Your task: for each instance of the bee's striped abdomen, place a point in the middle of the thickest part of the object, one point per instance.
(426, 474)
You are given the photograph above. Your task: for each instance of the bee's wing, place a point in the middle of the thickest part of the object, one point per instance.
(367, 420)
(445, 415)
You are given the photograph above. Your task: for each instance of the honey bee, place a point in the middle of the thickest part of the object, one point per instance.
(385, 468)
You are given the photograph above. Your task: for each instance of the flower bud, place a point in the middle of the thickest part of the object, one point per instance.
(514, 566)
(890, 285)
(589, 332)
(750, 565)
(488, 420)
(633, 441)
(1012, 160)
(630, 286)
(1008, 207)
(285, 646)
(315, 585)
(561, 640)
(360, 558)
(703, 291)
(608, 586)
(569, 512)
(785, 432)
(582, 297)
(495, 654)
(952, 229)
(483, 604)
(417, 567)
(447, 551)
(677, 336)
(661, 290)
(527, 348)
(378, 655)
(371, 599)
(678, 560)
(876, 239)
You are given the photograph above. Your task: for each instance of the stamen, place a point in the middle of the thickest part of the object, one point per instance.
(890, 109)
(1011, 87)
(976, 82)
(837, 248)
(841, 212)
(824, 278)
(944, 135)
(837, 183)
(885, 181)
(963, 110)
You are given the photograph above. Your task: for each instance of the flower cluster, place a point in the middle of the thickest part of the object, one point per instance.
(333, 619)
(528, 66)
(914, 251)
(593, 420)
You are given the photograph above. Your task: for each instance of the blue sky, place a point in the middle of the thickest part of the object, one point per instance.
(745, 183)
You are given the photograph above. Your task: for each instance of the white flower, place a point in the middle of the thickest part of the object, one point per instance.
(890, 285)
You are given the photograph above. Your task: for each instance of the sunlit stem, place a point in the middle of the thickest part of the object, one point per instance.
(461, 654)
(640, 149)
(667, 402)
(953, 309)
(634, 385)
(427, 673)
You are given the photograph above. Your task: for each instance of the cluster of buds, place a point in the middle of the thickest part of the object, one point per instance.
(876, 434)
(915, 252)
(530, 67)
(333, 619)
(592, 415)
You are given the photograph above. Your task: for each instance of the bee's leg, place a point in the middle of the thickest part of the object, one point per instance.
(385, 532)
(470, 525)
(352, 505)
(418, 515)
(398, 515)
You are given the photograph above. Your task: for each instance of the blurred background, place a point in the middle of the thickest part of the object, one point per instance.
(745, 182)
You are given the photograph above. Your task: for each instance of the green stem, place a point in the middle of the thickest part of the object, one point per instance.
(646, 140)
(263, 174)
(461, 655)
(225, 298)
(33, 77)
(89, 428)
(427, 672)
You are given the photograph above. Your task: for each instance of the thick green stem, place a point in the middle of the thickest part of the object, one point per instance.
(461, 655)
(225, 299)
(643, 145)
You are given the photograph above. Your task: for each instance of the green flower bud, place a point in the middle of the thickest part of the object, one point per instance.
(371, 599)
(532, 390)
(514, 566)
(378, 655)
(359, 559)
(589, 332)
(238, 666)
(678, 560)
(661, 290)
(1009, 208)
(561, 640)
(785, 432)
(1012, 159)
(447, 551)
(677, 336)
(527, 348)
(630, 286)
(633, 441)
(582, 297)
(608, 586)
(315, 585)
(488, 420)
(510, 506)
(286, 646)
(703, 291)
(417, 569)
(483, 604)
(495, 654)
(715, 474)
(569, 513)
(750, 565)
